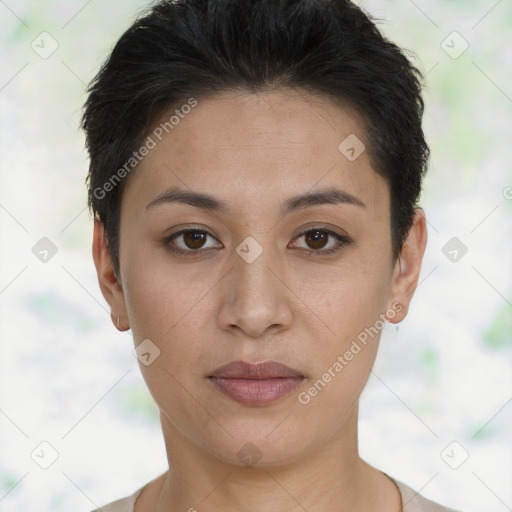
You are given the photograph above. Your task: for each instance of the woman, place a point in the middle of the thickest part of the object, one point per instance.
(255, 171)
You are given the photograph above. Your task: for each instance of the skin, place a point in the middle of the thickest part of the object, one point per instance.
(292, 305)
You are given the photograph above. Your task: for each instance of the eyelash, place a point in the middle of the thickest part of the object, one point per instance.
(342, 241)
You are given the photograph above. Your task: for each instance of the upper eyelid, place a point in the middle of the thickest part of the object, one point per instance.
(189, 230)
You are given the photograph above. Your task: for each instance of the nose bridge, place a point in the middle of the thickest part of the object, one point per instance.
(255, 298)
(252, 270)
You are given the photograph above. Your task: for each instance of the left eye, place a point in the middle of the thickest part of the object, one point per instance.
(319, 239)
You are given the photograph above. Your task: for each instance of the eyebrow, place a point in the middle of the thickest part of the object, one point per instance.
(295, 203)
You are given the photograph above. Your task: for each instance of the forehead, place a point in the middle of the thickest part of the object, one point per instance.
(247, 148)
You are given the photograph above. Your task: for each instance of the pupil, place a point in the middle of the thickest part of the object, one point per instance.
(196, 239)
(317, 237)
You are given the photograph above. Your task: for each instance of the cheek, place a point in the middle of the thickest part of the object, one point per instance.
(352, 311)
(164, 303)
(352, 306)
(348, 298)
(166, 312)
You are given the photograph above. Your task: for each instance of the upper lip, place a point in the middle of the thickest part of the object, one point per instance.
(264, 370)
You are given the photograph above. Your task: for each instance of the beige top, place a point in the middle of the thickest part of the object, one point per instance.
(411, 500)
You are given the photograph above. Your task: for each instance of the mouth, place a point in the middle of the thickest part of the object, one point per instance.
(256, 384)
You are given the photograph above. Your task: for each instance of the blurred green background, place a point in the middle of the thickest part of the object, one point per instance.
(68, 378)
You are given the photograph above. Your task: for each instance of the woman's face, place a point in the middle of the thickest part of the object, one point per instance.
(262, 279)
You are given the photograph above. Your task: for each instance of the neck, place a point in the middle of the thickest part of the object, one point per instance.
(328, 478)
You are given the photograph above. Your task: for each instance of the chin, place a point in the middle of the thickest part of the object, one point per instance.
(260, 446)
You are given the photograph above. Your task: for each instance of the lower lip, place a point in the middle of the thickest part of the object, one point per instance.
(257, 392)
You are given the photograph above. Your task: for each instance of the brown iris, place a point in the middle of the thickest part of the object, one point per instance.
(194, 239)
(318, 238)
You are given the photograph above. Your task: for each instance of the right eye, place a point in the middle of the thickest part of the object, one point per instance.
(188, 241)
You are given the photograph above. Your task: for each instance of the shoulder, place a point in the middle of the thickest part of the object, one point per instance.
(412, 501)
(122, 505)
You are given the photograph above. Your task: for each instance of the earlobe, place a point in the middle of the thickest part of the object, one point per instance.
(407, 268)
(109, 285)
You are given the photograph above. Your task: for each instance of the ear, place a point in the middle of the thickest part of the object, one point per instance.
(110, 287)
(407, 269)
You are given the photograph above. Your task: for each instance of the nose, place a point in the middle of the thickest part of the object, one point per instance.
(255, 298)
